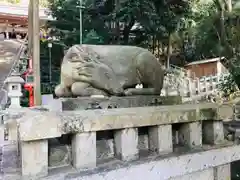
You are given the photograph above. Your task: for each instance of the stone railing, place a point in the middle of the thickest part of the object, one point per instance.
(179, 83)
(154, 136)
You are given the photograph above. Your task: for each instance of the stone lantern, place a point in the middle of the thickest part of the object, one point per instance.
(14, 88)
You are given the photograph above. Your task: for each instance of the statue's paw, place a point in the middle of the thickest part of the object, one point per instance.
(61, 91)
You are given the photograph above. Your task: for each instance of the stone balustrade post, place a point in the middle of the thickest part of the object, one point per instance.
(126, 144)
(190, 134)
(213, 132)
(189, 87)
(198, 85)
(205, 85)
(84, 150)
(212, 83)
(160, 139)
(34, 155)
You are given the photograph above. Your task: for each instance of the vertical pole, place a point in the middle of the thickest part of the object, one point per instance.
(30, 26)
(36, 53)
(169, 50)
(50, 64)
(80, 16)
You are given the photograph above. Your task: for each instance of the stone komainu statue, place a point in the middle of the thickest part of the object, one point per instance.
(109, 70)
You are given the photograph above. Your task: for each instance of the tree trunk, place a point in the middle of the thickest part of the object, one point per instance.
(127, 30)
(228, 5)
(117, 28)
(228, 50)
(169, 50)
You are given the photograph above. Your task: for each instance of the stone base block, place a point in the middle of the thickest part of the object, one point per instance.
(213, 132)
(34, 156)
(160, 139)
(190, 134)
(126, 144)
(84, 150)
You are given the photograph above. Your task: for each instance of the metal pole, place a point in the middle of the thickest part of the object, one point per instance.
(36, 53)
(50, 65)
(80, 19)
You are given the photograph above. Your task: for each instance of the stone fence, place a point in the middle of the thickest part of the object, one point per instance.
(167, 142)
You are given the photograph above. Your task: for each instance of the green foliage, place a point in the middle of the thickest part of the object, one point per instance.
(93, 38)
(220, 36)
(227, 85)
(14, 1)
(43, 3)
(67, 24)
(207, 32)
(155, 17)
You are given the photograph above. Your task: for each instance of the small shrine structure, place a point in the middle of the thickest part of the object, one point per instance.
(14, 20)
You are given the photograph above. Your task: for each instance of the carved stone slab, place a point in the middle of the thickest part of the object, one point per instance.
(72, 104)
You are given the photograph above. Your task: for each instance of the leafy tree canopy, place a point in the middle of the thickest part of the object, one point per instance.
(135, 20)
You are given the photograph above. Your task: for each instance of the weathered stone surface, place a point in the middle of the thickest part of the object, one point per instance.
(160, 139)
(213, 132)
(34, 158)
(226, 111)
(187, 166)
(105, 149)
(42, 124)
(12, 130)
(39, 125)
(222, 172)
(97, 120)
(60, 156)
(190, 134)
(2, 134)
(209, 113)
(143, 142)
(123, 118)
(109, 70)
(126, 144)
(200, 175)
(70, 104)
(84, 150)
(10, 160)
